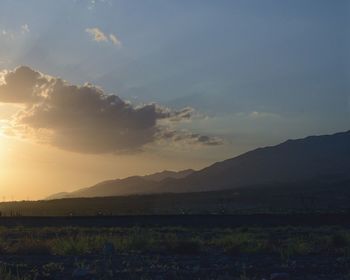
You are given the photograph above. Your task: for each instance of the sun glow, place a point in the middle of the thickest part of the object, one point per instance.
(4, 147)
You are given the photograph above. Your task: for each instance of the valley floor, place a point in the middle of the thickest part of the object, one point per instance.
(242, 253)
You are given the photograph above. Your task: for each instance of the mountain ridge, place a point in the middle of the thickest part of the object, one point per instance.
(294, 160)
(125, 183)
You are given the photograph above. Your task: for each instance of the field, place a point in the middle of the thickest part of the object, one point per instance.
(249, 234)
(201, 251)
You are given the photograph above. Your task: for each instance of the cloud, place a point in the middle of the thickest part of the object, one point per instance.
(189, 138)
(15, 33)
(115, 40)
(93, 3)
(85, 119)
(25, 28)
(23, 85)
(99, 36)
(7, 34)
(262, 115)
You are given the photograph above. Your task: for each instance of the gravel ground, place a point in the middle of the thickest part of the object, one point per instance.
(168, 267)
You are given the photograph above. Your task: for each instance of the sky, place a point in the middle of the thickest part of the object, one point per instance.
(95, 90)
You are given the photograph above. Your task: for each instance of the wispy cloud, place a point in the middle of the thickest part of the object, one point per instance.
(14, 33)
(93, 3)
(115, 40)
(99, 36)
(8, 34)
(262, 115)
(25, 28)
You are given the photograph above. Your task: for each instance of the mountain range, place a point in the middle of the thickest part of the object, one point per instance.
(310, 159)
(126, 186)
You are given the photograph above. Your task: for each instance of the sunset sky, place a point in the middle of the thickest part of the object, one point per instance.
(95, 90)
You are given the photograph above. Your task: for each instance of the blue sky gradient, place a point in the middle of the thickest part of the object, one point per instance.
(261, 71)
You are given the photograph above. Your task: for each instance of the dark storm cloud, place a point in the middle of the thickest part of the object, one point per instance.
(84, 118)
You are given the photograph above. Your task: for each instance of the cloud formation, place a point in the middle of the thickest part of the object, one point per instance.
(85, 119)
(115, 40)
(15, 33)
(190, 138)
(23, 85)
(99, 36)
(25, 28)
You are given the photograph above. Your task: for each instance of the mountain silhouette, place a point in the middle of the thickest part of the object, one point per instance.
(310, 159)
(126, 186)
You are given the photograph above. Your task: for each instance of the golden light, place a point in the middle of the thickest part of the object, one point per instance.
(4, 146)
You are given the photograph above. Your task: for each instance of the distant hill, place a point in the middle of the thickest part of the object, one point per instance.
(311, 159)
(58, 195)
(129, 185)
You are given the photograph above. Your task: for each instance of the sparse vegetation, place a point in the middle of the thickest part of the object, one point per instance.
(136, 250)
(85, 241)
